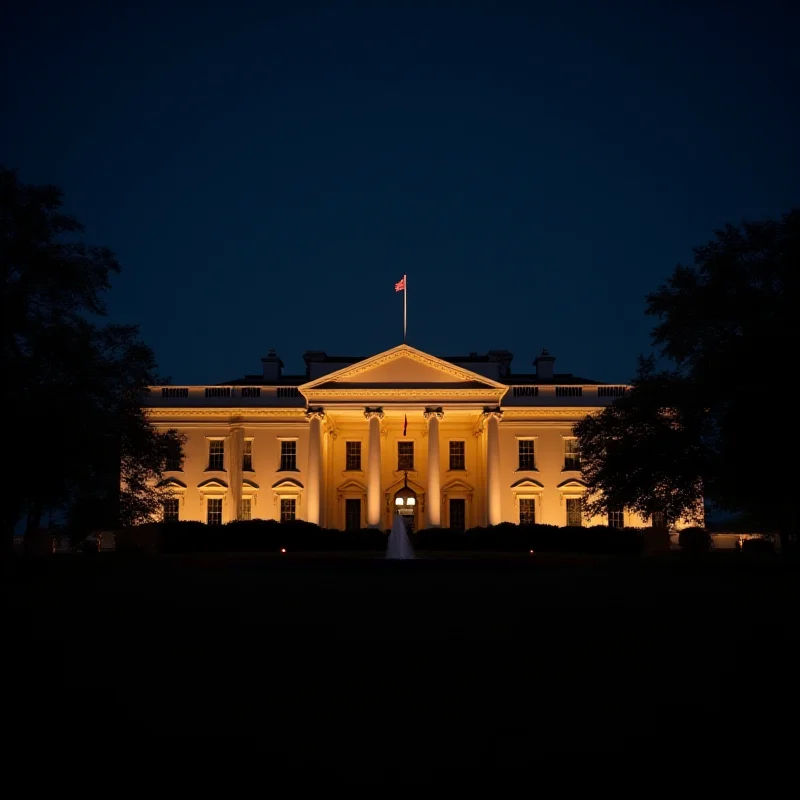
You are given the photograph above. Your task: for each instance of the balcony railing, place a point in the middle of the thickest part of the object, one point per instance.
(545, 394)
(224, 395)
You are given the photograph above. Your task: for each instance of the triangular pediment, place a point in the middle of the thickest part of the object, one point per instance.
(402, 366)
(457, 486)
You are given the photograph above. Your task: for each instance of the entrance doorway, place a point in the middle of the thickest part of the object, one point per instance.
(352, 514)
(405, 504)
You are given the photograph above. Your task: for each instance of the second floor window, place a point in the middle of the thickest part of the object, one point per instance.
(658, 520)
(457, 459)
(405, 455)
(527, 456)
(246, 509)
(216, 454)
(571, 458)
(247, 456)
(173, 459)
(289, 455)
(353, 455)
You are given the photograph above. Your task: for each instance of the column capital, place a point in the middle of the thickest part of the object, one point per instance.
(370, 412)
(490, 411)
(428, 413)
(315, 413)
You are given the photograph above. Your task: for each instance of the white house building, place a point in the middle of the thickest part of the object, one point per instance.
(473, 442)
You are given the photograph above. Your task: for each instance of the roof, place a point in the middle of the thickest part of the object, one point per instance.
(258, 380)
(562, 379)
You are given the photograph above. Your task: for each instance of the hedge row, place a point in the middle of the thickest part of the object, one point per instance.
(300, 536)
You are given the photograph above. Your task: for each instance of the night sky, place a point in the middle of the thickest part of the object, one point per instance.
(266, 172)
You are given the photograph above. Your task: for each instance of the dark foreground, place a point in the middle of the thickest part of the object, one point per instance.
(357, 666)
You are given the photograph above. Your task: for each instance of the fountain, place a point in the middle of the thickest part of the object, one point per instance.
(399, 545)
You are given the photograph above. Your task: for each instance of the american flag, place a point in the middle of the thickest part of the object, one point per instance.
(400, 286)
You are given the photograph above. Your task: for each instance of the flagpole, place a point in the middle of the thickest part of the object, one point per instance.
(405, 306)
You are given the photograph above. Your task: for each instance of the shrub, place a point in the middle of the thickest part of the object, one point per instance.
(251, 536)
(510, 538)
(267, 535)
(758, 545)
(694, 540)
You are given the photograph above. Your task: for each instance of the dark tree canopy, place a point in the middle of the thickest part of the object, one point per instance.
(72, 385)
(645, 451)
(729, 326)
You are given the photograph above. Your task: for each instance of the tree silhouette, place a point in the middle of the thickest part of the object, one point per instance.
(72, 386)
(706, 427)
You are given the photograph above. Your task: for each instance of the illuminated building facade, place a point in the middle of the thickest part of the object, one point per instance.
(452, 442)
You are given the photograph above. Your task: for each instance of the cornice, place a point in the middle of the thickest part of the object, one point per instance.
(544, 412)
(419, 395)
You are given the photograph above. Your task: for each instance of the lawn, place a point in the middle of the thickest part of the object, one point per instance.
(348, 664)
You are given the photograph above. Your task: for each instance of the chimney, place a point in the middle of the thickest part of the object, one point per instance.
(272, 366)
(544, 366)
(503, 360)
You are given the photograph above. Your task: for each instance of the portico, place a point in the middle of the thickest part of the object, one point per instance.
(419, 396)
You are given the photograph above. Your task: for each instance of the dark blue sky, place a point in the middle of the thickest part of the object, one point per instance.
(266, 175)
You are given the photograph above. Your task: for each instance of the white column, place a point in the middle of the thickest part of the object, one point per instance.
(495, 507)
(433, 502)
(374, 415)
(313, 489)
(235, 457)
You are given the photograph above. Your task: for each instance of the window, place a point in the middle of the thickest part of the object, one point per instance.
(251, 391)
(457, 455)
(527, 457)
(174, 462)
(218, 391)
(247, 456)
(288, 508)
(405, 455)
(527, 511)
(214, 511)
(171, 506)
(289, 456)
(458, 514)
(216, 454)
(575, 511)
(352, 513)
(569, 391)
(353, 455)
(175, 391)
(288, 391)
(572, 459)
(616, 519)
(246, 508)
(525, 391)
(658, 520)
